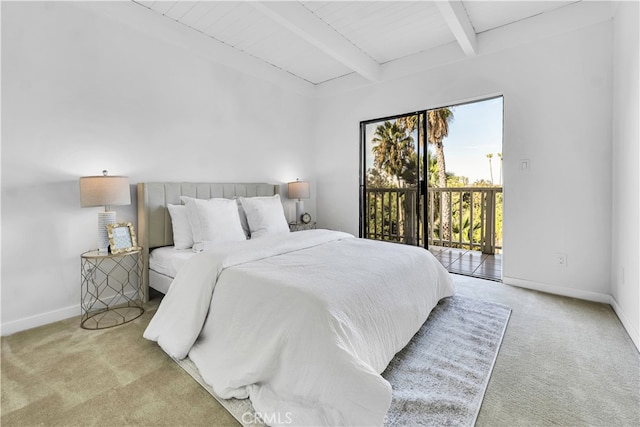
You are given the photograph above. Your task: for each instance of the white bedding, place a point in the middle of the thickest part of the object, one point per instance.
(302, 323)
(168, 260)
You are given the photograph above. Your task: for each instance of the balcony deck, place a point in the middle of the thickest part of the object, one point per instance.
(469, 263)
(391, 214)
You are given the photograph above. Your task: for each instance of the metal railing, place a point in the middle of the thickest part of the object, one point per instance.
(458, 217)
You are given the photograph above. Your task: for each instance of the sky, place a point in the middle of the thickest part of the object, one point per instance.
(475, 132)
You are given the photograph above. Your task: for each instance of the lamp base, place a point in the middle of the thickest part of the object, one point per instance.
(299, 210)
(104, 218)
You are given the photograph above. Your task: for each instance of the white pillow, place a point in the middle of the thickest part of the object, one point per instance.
(265, 215)
(214, 220)
(182, 234)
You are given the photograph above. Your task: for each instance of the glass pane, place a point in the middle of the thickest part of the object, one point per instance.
(392, 160)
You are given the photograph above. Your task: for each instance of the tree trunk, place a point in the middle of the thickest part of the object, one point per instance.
(445, 223)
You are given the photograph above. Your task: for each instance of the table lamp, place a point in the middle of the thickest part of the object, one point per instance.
(299, 190)
(104, 191)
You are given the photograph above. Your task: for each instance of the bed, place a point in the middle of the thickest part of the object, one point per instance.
(302, 323)
(154, 221)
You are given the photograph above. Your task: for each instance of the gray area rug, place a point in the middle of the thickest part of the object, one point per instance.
(439, 378)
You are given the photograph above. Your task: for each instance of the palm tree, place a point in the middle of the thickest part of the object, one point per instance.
(392, 150)
(489, 156)
(438, 129)
(410, 123)
(394, 153)
(500, 157)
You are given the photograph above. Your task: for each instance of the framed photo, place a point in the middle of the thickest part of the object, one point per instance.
(122, 237)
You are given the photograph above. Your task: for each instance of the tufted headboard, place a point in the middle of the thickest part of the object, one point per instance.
(154, 222)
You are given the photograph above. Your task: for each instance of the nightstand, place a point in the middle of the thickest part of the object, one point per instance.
(112, 291)
(299, 226)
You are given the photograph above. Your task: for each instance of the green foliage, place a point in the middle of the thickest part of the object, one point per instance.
(393, 150)
(377, 178)
(391, 213)
(390, 201)
(465, 235)
(457, 181)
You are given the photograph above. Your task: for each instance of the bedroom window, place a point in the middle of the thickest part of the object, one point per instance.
(409, 194)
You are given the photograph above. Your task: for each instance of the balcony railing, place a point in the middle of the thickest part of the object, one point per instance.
(458, 217)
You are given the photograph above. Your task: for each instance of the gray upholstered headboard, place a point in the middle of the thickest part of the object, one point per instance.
(154, 222)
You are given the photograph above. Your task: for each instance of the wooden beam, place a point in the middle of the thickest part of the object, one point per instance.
(458, 21)
(298, 19)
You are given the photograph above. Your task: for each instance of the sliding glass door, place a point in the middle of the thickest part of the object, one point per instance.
(392, 188)
(409, 194)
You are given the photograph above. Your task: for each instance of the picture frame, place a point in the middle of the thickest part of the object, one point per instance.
(122, 237)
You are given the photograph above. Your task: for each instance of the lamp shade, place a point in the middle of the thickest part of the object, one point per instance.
(298, 190)
(104, 191)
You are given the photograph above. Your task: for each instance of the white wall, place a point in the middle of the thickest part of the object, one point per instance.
(557, 113)
(625, 254)
(82, 92)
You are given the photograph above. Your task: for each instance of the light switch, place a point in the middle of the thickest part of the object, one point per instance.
(524, 165)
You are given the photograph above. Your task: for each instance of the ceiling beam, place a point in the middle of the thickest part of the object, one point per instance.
(297, 18)
(458, 21)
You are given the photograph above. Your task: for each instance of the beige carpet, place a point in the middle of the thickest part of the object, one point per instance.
(61, 375)
(562, 362)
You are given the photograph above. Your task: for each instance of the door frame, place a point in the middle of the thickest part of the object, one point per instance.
(421, 185)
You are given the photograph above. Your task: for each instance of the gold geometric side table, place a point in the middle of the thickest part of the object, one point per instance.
(112, 291)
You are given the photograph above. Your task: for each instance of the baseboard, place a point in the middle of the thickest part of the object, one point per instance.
(580, 294)
(558, 290)
(628, 325)
(12, 327)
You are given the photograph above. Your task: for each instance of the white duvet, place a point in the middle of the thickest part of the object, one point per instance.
(301, 323)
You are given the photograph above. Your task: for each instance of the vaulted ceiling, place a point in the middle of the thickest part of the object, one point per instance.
(320, 41)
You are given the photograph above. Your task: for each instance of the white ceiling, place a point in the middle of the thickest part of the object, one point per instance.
(319, 41)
